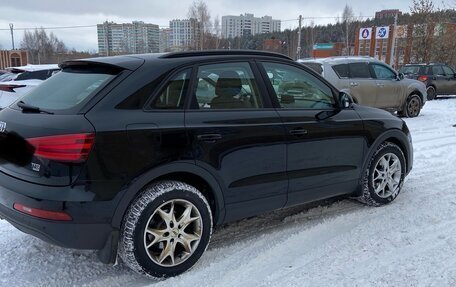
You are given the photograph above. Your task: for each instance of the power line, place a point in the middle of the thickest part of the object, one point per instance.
(161, 26)
(53, 28)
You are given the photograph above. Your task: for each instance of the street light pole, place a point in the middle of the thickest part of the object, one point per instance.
(393, 48)
(12, 34)
(298, 51)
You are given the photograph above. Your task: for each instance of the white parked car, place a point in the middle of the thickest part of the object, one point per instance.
(28, 77)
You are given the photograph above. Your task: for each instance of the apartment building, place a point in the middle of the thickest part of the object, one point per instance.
(248, 24)
(184, 34)
(128, 38)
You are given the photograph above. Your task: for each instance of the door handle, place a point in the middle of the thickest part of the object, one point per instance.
(299, 132)
(380, 85)
(209, 138)
(354, 84)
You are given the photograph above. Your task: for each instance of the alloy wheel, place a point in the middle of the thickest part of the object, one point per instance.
(387, 176)
(413, 107)
(173, 232)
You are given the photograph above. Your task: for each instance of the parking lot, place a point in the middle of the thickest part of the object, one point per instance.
(409, 242)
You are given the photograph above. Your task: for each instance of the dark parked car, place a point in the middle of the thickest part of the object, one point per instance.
(439, 79)
(146, 153)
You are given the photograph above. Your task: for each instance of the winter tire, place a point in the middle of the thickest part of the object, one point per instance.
(431, 93)
(384, 176)
(413, 106)
(166, 229)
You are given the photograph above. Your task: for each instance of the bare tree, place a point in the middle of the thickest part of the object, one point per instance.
(199, 11)
(423, 12)
(347, 18)
(43, 48)
(217, 31)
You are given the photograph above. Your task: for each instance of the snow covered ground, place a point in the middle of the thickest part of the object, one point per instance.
(411, 242)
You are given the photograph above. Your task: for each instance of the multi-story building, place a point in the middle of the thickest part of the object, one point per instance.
(247, 24)
(398, 46)
(390, 13)
(128, 38)
(165, 40)
(184, 34)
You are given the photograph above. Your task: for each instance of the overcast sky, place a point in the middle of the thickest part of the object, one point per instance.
(57, 13)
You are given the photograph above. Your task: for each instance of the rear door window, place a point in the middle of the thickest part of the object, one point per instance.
(359, 70)
(437, 71)
(69, 89)
(226, 86)
(341, 70)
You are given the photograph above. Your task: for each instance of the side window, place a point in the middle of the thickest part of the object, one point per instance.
(226, 86)
(172, 96)
(341, 70)
(437, 71)
(297, 89)
(359, 70)
(448, 71)
(383, 73)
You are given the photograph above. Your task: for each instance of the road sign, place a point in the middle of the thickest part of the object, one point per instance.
(365, 33)
(382, 32)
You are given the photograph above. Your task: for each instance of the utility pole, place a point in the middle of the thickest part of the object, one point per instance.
(298, 51)
(12, 34)
(393, 48)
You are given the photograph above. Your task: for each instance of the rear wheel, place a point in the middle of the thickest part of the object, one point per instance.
(166, 229)
(384, 176)
(431, 93)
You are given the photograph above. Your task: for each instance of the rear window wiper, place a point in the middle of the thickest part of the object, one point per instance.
(29, 108)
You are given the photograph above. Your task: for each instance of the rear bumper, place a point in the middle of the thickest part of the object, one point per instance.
(78, 233)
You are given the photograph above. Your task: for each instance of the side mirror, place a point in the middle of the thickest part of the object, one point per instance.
(345, 100)
(400, 76)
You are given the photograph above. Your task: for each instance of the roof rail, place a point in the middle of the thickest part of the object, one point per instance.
(223, 53)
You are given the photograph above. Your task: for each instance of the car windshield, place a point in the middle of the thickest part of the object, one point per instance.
(68, 89)
(7, 77)
(410, 70)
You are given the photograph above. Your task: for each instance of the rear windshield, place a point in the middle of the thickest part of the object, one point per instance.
(410, 70)
(316, 67)
(68, 89)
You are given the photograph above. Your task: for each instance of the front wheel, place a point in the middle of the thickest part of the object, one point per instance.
(166, 229)
(384, 176)
(413, 106)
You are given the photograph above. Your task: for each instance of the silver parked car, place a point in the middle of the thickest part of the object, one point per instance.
(372, 83)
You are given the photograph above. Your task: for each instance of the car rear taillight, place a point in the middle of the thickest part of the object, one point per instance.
(41, 213)
(65, 148)
(423, 78)
(10, 88)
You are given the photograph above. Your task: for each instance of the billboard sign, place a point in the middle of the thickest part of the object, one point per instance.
(401, 31)
(382, 32)
(365, 33)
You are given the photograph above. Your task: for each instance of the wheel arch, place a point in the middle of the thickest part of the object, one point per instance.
(186, 172)
(397, 137)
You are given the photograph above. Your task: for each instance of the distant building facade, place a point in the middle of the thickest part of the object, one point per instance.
(272, 45)
(324, 50)
(165, 40)
(396, 47)
(13, 58)
(390, 13)
(184, 34)
(128, 38)
(248, 24)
